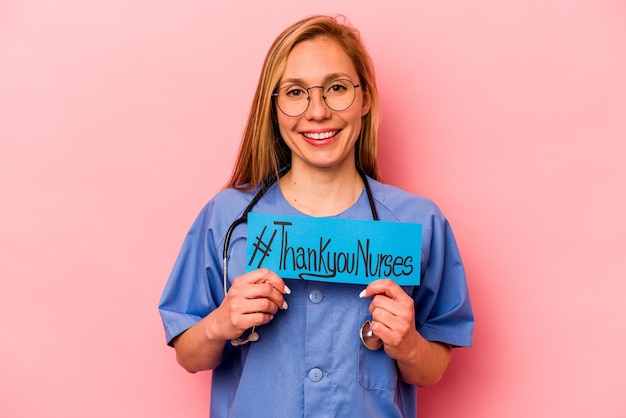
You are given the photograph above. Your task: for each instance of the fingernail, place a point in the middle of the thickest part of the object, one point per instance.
(285, 306)
(287, 290)
(362, 294)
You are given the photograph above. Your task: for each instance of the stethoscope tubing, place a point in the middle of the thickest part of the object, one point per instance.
(253, 335)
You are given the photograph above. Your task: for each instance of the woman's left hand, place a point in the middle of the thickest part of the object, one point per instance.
(393, 317)
(420, 362)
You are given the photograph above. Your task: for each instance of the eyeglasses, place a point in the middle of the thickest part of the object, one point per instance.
(293, 99)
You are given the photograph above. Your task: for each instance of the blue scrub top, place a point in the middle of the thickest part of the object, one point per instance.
(309, 360)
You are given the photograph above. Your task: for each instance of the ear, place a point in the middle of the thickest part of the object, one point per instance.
(367, 101)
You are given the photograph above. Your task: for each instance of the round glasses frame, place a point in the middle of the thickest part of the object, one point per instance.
(281, 96)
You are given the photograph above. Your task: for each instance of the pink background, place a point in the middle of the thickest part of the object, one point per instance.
(119, 119)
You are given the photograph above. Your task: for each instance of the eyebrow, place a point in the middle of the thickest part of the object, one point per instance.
(327, 78)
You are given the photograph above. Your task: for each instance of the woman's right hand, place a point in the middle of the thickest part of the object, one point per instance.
(253, 299)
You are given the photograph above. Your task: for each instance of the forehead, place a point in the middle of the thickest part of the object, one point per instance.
(314, 60)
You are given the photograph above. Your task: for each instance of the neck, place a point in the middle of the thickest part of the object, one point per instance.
(321, 193)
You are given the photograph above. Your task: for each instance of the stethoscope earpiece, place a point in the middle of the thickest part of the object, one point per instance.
(368, 338)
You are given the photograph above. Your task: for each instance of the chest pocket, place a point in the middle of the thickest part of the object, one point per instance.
(377, 371)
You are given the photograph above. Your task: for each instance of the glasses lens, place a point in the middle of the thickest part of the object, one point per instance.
(293, 100)
(339, 94)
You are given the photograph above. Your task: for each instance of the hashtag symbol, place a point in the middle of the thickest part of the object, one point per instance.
(262, 247)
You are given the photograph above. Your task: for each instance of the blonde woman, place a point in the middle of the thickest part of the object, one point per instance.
(283, 347)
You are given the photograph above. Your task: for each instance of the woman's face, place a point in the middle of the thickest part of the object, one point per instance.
(321, 138)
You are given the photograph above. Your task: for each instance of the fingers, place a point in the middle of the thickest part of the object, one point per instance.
(266, 276)
(385, 287)
(253, 319)
(262, 286)
(388, 296)
(392, 310)
(253, 299)
(384, 321)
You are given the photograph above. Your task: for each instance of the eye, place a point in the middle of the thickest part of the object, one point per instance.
(337, 87)
(294, 92)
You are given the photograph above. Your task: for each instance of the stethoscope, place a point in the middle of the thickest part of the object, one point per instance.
(368, 338)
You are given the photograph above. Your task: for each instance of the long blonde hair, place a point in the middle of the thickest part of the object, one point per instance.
(262, 152)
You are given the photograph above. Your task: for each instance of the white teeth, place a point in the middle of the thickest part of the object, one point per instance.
(320, 135)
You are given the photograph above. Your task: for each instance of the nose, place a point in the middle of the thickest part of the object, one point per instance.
(317, 108)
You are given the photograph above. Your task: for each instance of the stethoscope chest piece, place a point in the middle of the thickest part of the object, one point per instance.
(368, 338)
(251, 336)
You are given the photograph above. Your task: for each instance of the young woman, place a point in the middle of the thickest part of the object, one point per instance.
(283, 347)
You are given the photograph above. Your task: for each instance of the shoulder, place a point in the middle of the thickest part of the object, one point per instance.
(232, 198)
(226, 206)
(402, 206)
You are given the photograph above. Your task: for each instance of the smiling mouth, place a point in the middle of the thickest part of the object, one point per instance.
(320, 135)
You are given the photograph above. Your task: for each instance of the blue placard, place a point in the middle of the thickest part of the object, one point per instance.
(334, 250)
